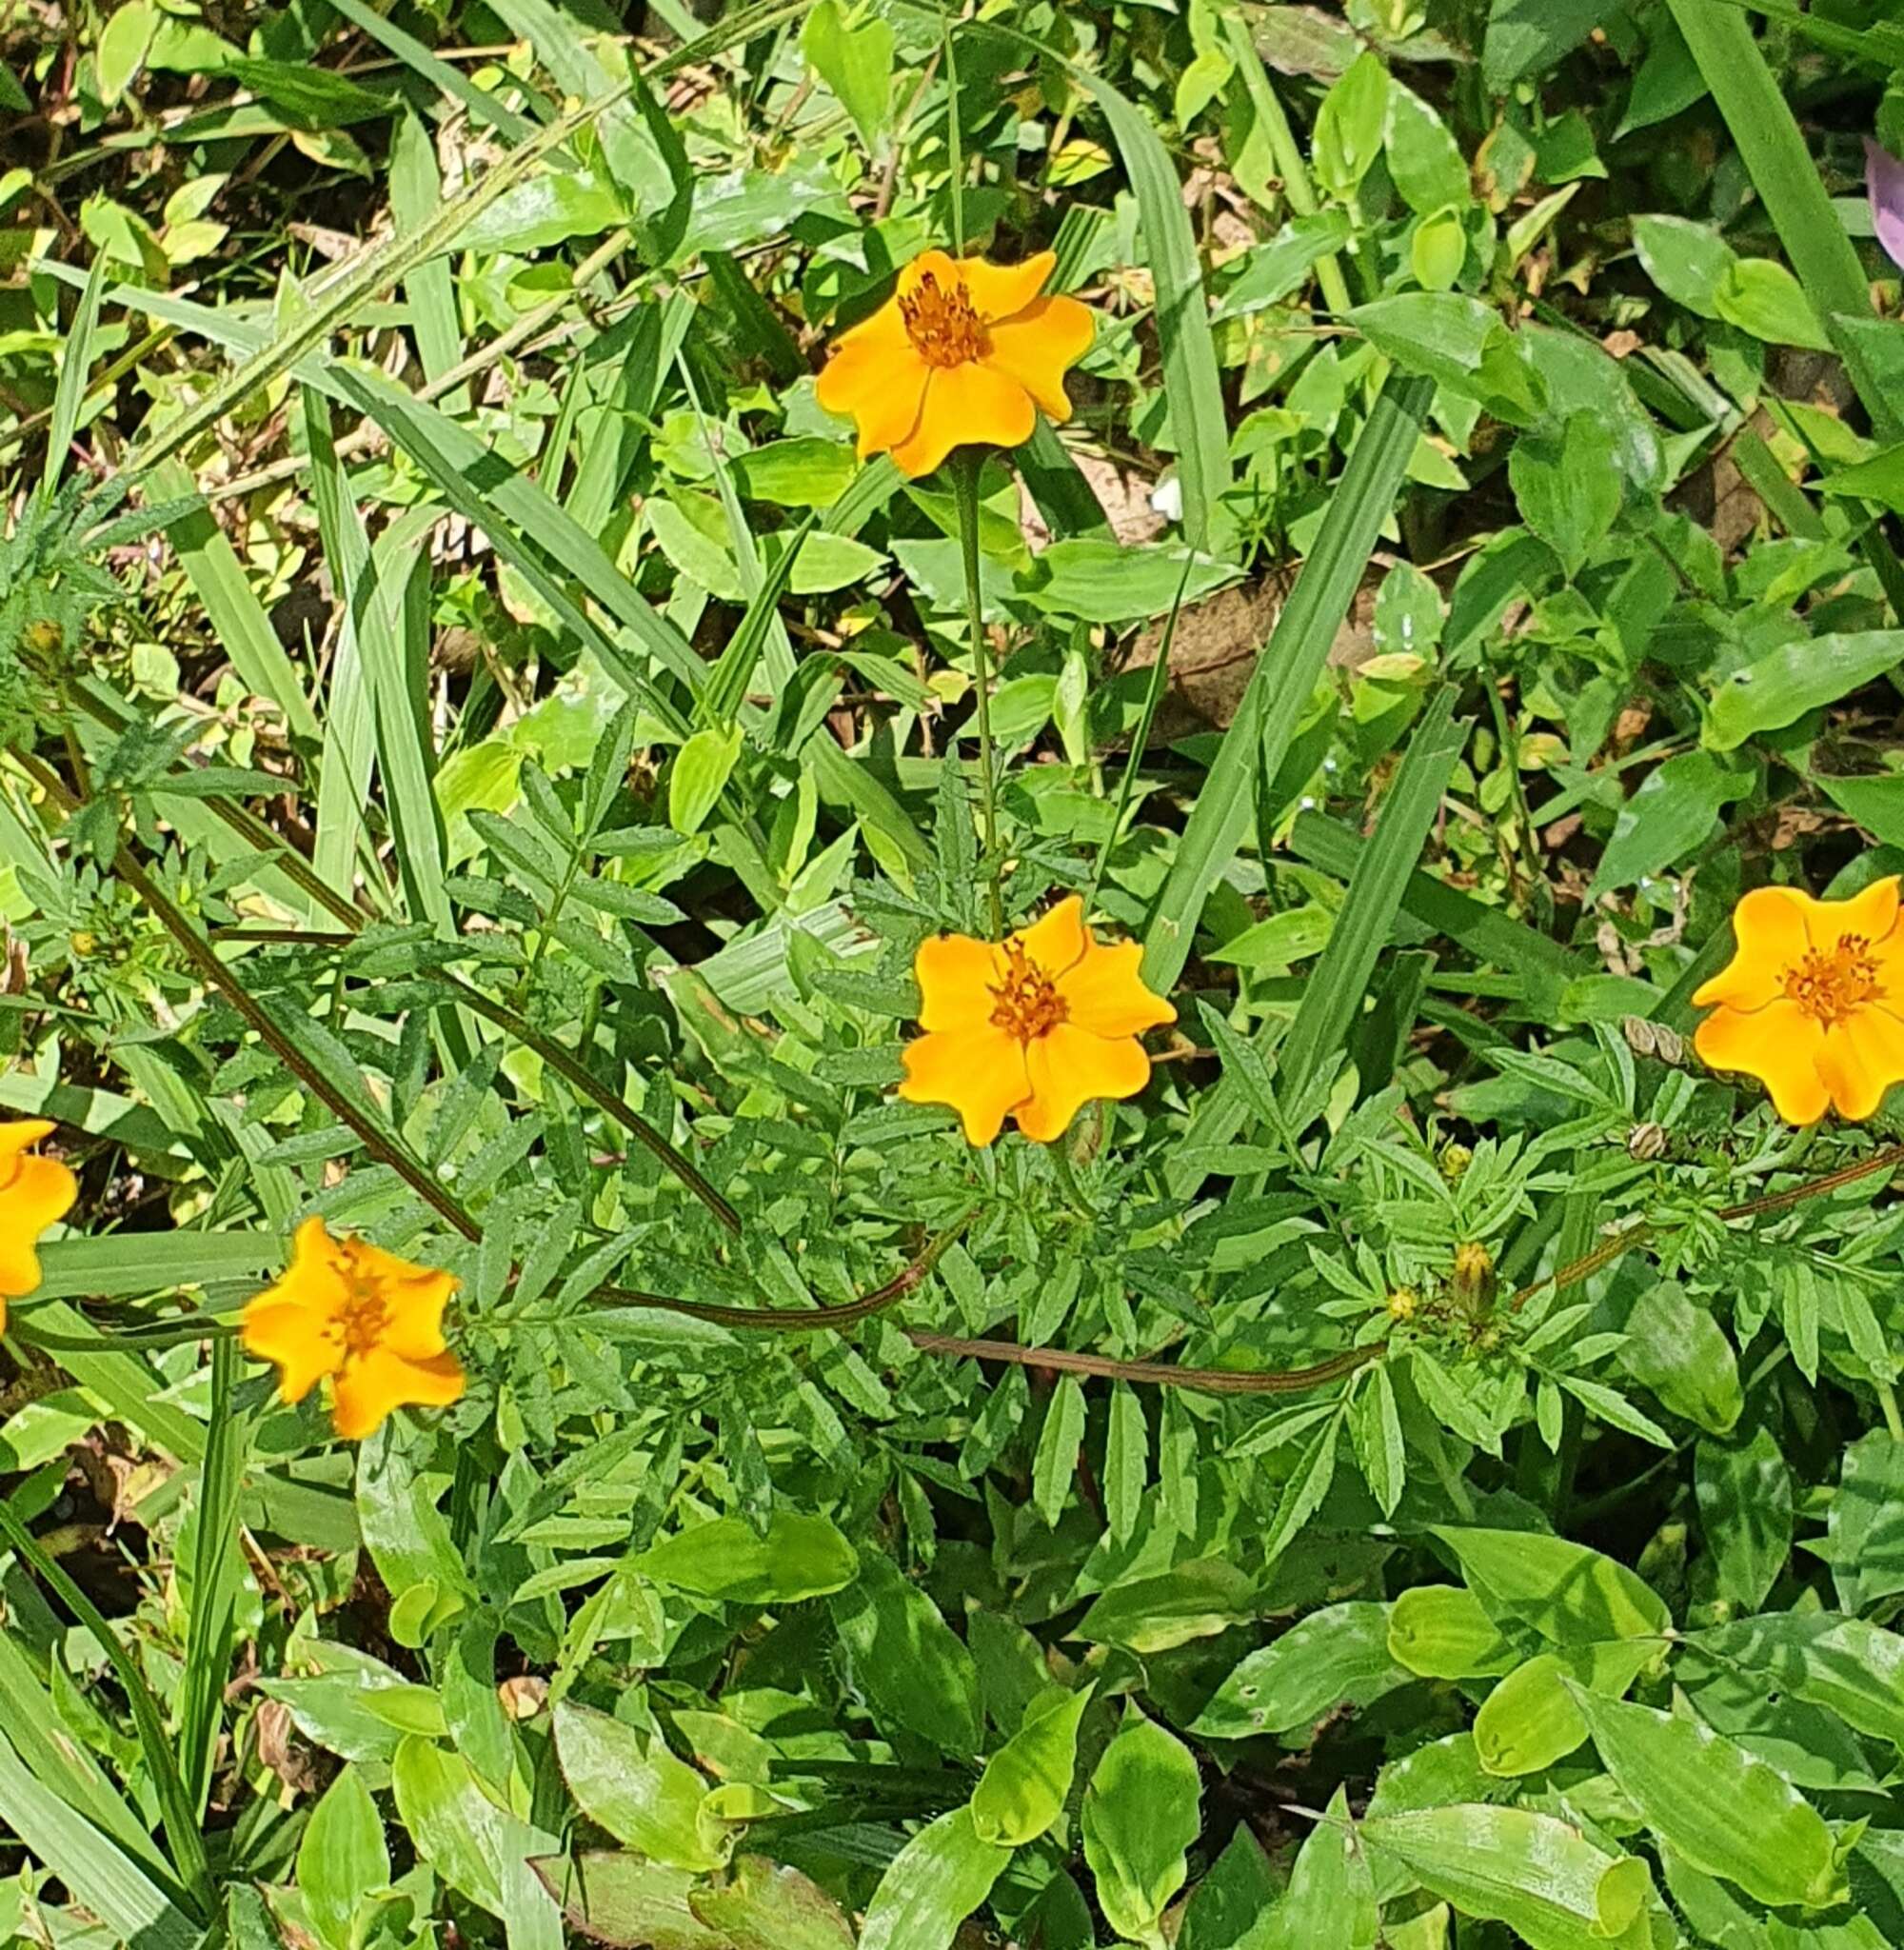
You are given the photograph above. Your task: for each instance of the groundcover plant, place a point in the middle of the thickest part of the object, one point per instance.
(950, 960)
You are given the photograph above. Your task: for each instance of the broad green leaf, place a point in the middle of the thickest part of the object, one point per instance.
(1866, 1524)
(1527, 36)
(932, 1885)
(1763, 298)
(1234, 1906)
(1337, 1655)
(913, 1668)
(1568, 489)
(1688, 261)
(609, 1896)
(628, 1782)
(1423, 157)
(1744, 1493)
(1349, 125)
(1459, 343)
(1443, 1631)
(1678, 1350)
(341, 1860)
(1570, 1594)
(479, 1848)
(1674, 812)
(799, 1556)
(1705, 1796)
(1330, 1901)
(1847, 1665)
(767, 1905)
(1529, 1722)
(700, 774)
(1195, 1600)
(1139, 1818)
(855, 61)
(1539, 1876)
(1023, 1787)
(1797, 677)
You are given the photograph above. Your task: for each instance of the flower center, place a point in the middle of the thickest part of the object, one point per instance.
(1029, 1003)
(366, 1315)
(1830, 985)
(943, 328)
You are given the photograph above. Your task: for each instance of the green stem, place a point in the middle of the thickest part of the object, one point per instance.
(1153, 697)
(966, 462)
(1887, 1400)
(955, 148)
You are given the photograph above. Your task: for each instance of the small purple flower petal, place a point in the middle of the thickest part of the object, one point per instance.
(1884, 179)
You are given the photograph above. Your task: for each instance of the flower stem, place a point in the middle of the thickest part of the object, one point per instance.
(966, 465)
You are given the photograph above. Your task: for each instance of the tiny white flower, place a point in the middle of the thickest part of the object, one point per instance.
(1166, 499)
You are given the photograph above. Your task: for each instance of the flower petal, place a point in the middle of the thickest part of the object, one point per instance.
(980, 1074)
(1779, 1044)
(1863, 1056)
(15, 1140)
(944, 270)
(312, 1279)
(956, 978)
(1003, 290)
(414, 1328)
(41, 1194)
(964, 406)
(374, 1385)
(1104, 993)
(1057, 939)
(1040, 346)
(1872, 914)
(1770, 927)
(1884, 183)
(292, 1338)
(1068, 1066)
(880, 388)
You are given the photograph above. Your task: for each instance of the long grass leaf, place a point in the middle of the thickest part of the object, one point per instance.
(1781, 168)
(1199, 423)
(239, 620)
(389, 263)
(76, 363)
(215, 1572)
(1286, 672)
(96, 1871)
(1332, 998)
(183, 1836)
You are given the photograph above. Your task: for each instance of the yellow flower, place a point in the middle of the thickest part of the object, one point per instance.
(35, 1193)
(1813, 1002)
(965, 351)
(369, 1322)
(1034, 1027)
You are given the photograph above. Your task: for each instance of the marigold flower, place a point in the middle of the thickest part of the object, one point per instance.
(1813, 1002)
(1034, 1027)
(35, 1193)
(965, 351)
(368, 1321)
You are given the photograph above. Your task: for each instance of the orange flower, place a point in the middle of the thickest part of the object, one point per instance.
(35, 1193)
(965, 351)
(370, 1322)
(1813, 1002)
(1034, 1027)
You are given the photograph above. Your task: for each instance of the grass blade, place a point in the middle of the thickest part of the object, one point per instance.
(215, 1570)
(96, 1871)
(183, 1836)
(1782, 170)
(1333, 997)
(1197, 419)
(1286, 672)
(75, 363)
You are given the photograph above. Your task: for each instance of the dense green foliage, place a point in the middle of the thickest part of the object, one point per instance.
(481, 752)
